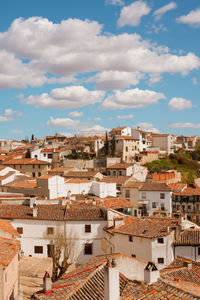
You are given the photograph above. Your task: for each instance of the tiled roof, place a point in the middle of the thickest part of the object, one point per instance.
(52, 212)
(117, 129)
(77, 181)
(60, 170)
(46, 176)
(126, 137)
(177, 187)
(25, 161)
(135, 290)
(110, 202)
(7, 227)
(87, 283)
(190, 237)
(133, 184)
(49, 150)
(183, 273)
(152, 186)
(120, 166)
(146, 228)
(82, 174)
(8, 249)
(21, 184)
(189, 191)
(118, 180)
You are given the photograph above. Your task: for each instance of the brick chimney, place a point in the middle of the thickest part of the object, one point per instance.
(151, 273)
(111, 281)
(47, 282)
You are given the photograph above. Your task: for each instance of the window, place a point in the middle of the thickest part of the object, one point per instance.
(38, 166)
(153, 204)
(39, 174)
(198, 250)
(44, 154)
(160, 241)
(126, 148)
(143, 195)
(130, 238)
(162, 206)
(120, 173)
(87, 228)
(88, 249)
(133, 255)
(38, 249)
(189, 206)
(162, 195)
(33, 174)
(135, 212)
(108, 172)
(50, 230)
(160, 260)
(114, 173)
(127, 193)
(33, 166)
(50, 155)
(20, 230)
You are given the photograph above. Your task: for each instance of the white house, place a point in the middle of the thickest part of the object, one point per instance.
(142, 136)
(82, 226)
(120, 131)
(148, 239)
(155, 197)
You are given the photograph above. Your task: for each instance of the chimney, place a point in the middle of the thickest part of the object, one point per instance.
(34, 210)
(187, 264)
(118, 221)
(111, 281)
(46, 282)
(151, 273)
(32, 200)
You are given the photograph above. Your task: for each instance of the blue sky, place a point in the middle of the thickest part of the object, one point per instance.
(87, 66)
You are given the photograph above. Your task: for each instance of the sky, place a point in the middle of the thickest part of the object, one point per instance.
(86, 66)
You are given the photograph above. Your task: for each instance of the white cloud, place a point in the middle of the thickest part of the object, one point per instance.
(67, 134)
(95, 129)
(193, 18)
(133, 98)
(97, 119)
(7, 116)
(17, 131)
(33, 47)
(114, 2)
(62, 122)
(76, 114)
(125, 117)
(132, 14)
(161, 11)
(115, 80)
(67, 97)
(180, 104)
(147, 127)
(184, 125)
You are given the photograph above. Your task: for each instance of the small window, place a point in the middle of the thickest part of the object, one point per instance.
(153, 204)
(162, 206)
(20, 230)
(33, 166)
(189, 206)
(87, 228)
(33, 174)
(160, 260)
(50, 155)
(127, 193)
(130, 238)
(38, 166)
(160, 241)
(88, 249)
(39, 174)
(162, 195)
(133, 255)
(126, 149)
(198, 250)
(44, 154)
(108, 172)
(38, 249)
(50, 230)
(143, 195)
(120, 173)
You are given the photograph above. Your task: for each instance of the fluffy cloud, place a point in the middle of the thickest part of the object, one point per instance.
(193, 18)
(7, 116)
(114, 2)
(184, 125)
(125, 117)
(116, 80)
(132, 14)
(147, 127)
(133, 98)
(33, 47)
(67, 97)
(180, 104)
(17, 131)
(161, 11)
(76, 114)
(62, 122)
(95, 129)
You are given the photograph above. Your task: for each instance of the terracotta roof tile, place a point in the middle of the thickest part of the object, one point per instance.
(8, 249)
(152, 186)
(120, 166)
